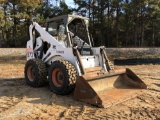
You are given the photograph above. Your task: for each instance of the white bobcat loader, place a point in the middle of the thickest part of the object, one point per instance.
(63, 55)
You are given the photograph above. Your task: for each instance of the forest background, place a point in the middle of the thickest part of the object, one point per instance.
(113, 23)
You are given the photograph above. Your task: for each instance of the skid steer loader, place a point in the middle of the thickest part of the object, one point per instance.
(62, 54)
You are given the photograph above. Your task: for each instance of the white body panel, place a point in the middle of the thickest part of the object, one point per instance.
(57, 50)
(90, 61)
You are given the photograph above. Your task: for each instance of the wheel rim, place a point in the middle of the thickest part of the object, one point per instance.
(31, 73)
(57, 77)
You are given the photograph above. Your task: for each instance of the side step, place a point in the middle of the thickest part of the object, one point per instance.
(94, 72)
(93, 69)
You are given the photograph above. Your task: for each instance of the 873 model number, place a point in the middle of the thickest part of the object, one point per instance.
(30, 54)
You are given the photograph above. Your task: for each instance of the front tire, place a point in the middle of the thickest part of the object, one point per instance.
(35, 73)
(62, 77)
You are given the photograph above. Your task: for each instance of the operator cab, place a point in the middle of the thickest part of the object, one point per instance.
(71, 31)
(79, 35)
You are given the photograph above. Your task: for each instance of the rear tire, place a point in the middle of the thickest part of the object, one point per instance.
(62, 77)
(35, 73)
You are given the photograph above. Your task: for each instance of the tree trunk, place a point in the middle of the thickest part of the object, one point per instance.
(28, 23)
(135, 36)
(102, 22)
(5, 19)
(126, 26)
(153, 34)
(1, 39)
(117, 24)
(89, 5)
(108, 25)
(142, 36)
(14, 26)
(142, 28)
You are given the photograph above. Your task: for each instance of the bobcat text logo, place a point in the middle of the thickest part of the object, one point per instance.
(60, 52)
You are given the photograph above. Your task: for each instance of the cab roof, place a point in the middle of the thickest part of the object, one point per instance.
(67, 18)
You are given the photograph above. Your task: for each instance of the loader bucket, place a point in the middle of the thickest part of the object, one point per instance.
(108, 89)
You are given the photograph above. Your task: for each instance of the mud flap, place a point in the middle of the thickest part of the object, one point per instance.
(108, 89)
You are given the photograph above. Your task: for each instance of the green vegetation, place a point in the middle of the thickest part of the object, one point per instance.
(113, 23)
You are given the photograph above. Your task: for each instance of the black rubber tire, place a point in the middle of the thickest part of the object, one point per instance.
(69, 76)
(38, 70)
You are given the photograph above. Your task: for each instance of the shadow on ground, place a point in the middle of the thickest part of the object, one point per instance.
(17, 88)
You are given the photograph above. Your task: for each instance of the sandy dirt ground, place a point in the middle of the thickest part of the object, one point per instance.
(19, 101)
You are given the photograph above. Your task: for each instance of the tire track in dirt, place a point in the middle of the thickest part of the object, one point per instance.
(145, 106)
(12, 97)
(5, 101)
(23, 102)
